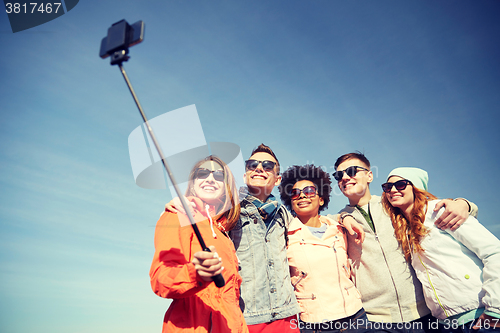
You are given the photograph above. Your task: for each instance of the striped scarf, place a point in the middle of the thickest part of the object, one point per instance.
(266, 209)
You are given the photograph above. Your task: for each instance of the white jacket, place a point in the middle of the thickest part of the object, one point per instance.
(459, 270)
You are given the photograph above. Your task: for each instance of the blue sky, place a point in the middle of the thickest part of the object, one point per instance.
(411, 83)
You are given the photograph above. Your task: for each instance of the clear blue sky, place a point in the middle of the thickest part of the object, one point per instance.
(410, 83)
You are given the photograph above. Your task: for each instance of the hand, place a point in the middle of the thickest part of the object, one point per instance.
(207, 264)
(175, 206)
(486, 321)
(354, 227)
(170, 207)
(454, 215)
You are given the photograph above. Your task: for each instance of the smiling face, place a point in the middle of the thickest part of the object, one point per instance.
(355, 188)
(261, 183)
(306, 207)
(402, 199)
(209, 189)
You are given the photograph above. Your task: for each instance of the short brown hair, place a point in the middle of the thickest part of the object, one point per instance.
(262, 148)
(356, 155)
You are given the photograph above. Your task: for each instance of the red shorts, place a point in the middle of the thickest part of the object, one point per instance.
(289, 324)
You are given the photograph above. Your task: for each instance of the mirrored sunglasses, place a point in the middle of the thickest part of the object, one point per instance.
(266, 165)
(202, 173)
(309, 192)
(350, 171)
(400, 185)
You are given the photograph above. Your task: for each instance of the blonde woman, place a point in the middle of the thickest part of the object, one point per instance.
(183, 272)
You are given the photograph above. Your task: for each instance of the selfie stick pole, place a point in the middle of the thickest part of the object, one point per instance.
(218, 279)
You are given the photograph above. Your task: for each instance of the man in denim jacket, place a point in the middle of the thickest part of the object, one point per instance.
(267, 297)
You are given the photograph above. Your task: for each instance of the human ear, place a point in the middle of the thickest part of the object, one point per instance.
(370, 177)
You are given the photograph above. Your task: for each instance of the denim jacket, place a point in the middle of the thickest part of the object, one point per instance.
(266, 291)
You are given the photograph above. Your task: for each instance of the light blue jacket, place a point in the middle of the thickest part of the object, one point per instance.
(266, 291)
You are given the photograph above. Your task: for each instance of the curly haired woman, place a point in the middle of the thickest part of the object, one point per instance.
(317, 256)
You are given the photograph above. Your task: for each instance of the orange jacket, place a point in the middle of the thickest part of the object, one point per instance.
(197, 306)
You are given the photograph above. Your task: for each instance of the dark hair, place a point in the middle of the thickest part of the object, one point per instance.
(262, 148)
(230, 204)
(316, 175)
(357, 155)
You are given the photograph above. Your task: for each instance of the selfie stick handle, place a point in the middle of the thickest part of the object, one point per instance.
(218, 279)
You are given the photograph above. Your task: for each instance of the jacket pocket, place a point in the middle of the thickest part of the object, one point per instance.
(352, 290)
(296, 279)
(305, 296)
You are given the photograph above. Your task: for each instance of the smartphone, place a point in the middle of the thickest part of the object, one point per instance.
(121, 36)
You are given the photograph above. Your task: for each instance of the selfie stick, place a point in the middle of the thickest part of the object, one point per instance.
(218, 279)
(116, 59)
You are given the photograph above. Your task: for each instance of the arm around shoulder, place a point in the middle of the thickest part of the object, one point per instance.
(473, 209)
(455, 214)
(354, 229)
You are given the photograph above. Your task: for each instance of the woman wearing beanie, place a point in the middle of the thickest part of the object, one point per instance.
(459, 270)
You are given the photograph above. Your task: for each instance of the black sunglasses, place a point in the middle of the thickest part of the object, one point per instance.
(202, 173)
(309, 192)
(400, 185)
(350, 171)
(266, 165)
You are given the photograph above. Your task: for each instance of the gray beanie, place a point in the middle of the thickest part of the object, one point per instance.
(418, 177)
